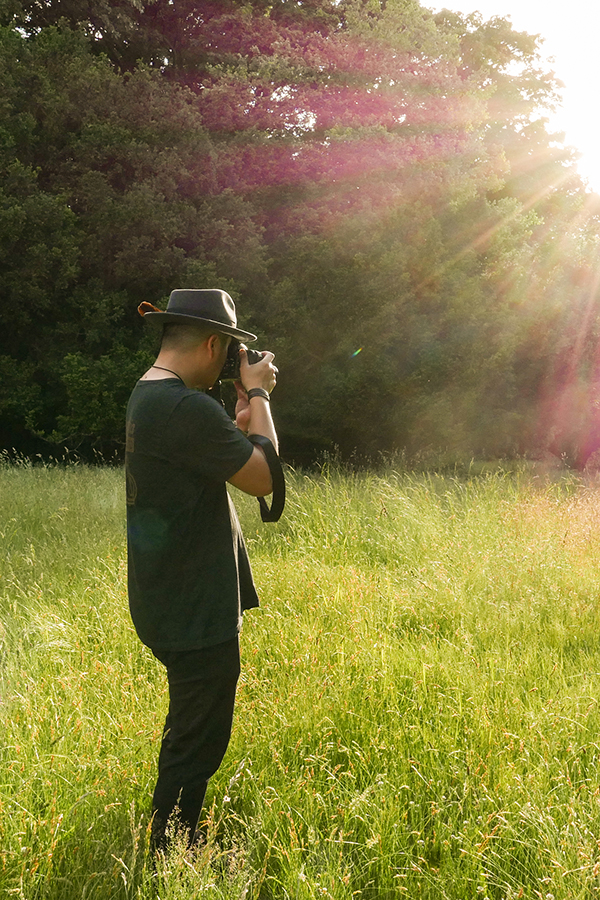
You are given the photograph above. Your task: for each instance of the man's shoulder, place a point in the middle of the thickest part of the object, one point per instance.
(169, 394)
(180, 415)
(198, 405)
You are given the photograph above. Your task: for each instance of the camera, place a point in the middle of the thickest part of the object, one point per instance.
(231, 369)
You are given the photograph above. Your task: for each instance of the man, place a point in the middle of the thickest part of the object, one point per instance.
(189, 575)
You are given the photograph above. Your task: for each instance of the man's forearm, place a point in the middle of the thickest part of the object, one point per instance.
(261, 421)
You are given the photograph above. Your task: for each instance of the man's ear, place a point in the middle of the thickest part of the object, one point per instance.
(213, 345)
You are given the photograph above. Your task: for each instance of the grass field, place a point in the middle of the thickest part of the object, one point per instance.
(417, 716)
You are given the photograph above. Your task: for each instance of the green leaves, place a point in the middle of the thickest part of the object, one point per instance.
(105, 201)
(361, 175)
(97, 392)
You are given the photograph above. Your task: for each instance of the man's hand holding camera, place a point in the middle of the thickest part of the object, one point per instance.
(253, 414)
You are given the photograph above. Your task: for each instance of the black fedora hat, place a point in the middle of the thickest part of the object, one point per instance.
(205, 307)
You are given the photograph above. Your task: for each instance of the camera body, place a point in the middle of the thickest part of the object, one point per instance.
(231, 369)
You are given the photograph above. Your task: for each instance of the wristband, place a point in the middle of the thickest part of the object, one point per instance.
(258, 392)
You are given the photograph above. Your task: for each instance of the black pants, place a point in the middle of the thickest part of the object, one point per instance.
(202, 685)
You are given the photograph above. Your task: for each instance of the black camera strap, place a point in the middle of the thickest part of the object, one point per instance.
(278, 502)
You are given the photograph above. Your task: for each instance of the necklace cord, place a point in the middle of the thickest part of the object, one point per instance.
(169, 370)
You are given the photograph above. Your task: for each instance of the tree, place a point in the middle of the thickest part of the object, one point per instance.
(377, 184)
(106, 201)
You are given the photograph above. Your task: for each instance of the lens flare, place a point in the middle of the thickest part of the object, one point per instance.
(356, 352)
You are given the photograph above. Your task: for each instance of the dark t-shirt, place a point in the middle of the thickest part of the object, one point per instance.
(188, 571)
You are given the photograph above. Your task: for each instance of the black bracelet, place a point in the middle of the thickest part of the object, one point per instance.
(258, 392)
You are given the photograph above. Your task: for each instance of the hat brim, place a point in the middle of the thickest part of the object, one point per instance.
(163, 318)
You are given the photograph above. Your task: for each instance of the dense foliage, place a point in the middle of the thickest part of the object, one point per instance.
(373, 183)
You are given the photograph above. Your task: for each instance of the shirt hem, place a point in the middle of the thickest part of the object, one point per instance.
(195, 645)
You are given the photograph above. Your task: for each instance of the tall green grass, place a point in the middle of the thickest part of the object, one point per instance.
(417, 714)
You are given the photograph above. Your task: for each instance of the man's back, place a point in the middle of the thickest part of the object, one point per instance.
(189, 577)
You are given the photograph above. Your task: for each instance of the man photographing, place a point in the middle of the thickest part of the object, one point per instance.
(188, 571)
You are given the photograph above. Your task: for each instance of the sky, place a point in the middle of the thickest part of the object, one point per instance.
(571, 34)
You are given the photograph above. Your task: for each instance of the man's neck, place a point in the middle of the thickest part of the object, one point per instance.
(182, 366)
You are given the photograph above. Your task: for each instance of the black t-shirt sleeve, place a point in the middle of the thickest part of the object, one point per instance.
(206, 440)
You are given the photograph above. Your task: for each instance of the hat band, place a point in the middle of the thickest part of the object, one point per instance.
(205, 316)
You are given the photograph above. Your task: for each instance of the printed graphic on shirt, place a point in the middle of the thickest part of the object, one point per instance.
(129, 437)
(131, 488)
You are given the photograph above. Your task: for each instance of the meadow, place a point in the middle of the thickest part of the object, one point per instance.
(417, 714)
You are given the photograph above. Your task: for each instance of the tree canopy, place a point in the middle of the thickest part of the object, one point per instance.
(374, 184)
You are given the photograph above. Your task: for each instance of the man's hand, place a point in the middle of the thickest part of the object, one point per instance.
(242, 408)
(262, 374)
(254, 417)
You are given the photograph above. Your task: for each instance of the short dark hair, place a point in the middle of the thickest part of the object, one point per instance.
(178, 336)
